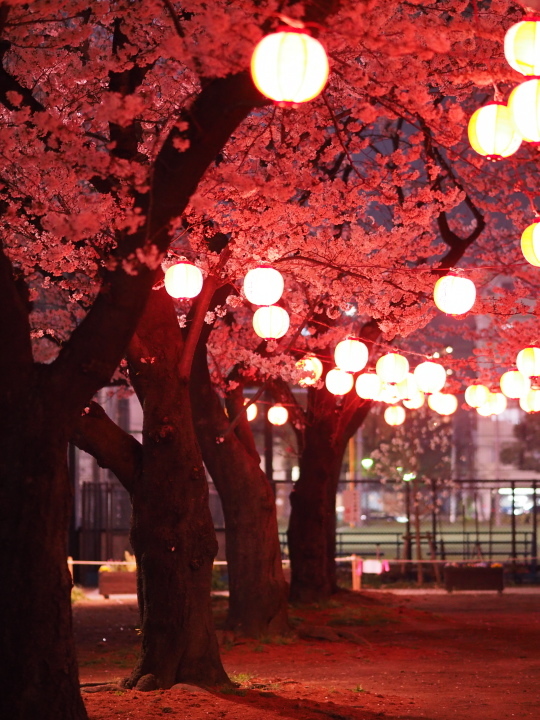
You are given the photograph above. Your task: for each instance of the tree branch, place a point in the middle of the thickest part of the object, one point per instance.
(112, 447)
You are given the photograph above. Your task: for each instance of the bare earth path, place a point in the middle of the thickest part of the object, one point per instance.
(464, 656)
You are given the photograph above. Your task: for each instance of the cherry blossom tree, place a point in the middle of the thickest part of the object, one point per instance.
(111, 117)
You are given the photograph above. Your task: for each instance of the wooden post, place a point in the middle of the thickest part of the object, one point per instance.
(356, 577)
(70, 566)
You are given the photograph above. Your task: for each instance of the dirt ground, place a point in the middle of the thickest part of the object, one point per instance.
(364, 656)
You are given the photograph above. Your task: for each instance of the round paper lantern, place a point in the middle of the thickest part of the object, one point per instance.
(251, 411)
(392, 368)
(289, 66)
(271, 322)
(351, 355)
(312, 369)
(443, 403)
(407, 388)
(495, 405)
(530, 402)
(476, 395)
(394, 415)
(492, 132)
(430, 377)
(524, 105)
(368, 386)
(528, 361)
(263, 285)
(454, 295)
(183, 280)
(388, 394)
(415, 402)
(514, 384)
(530, 243)
(277, 414)
(339, 382)
(522, 46)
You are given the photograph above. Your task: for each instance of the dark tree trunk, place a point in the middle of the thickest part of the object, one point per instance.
(39, 669)
(258, 590)
(312, 524)
(172, 530)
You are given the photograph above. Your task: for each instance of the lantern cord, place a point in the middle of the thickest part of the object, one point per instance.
(497, 94)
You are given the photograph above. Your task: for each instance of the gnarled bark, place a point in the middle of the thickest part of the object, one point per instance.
(172, 532)
(257, 587)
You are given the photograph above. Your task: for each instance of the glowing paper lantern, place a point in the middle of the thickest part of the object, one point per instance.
(430, 377)
(312, 369)
(183, 280)
(289, 66)
(528, 361)
(388, 394)
(495, 405)
(530, 402)
(392, 368)
(277, 414)
(443, 403)
(368, 386)
(251, 412)
(407, 388)
(394, 415)
(351, 355)
(530, 243)
(339, 382)
(271, 322)
(263, 285)
(524, 105)
(514, 384)
(522, 46)
(492, 132)
(476, 395)
(454, 295)
(415, 402)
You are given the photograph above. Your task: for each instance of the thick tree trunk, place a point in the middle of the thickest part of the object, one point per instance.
(312, 524)
(258, 590)
(172, 530)
(39, 669)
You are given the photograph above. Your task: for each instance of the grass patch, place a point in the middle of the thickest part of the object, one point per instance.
(77, 594)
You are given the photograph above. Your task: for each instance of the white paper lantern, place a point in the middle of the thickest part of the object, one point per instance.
(530, 402)
(289, 66)
(443, 403)
(251, 411)
(415, 402)
(351, 355)
(271, 322)
(312, 369)
(528, 361)
(407, 388)
(388, 394)
(492, 132)
(277, 414)
(430, 377)
(368, 386)
(530, 243)
(514, 384)
(476, 395)
(394, 415)
(495, 405)
(524, 105)
(339, 382)
(454, 295)
(522, 46)
(392, 368)
(183, 280)
(263, 285)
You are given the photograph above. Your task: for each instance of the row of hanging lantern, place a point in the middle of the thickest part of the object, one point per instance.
(497, 130)
(277, 414)
(514, 384)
